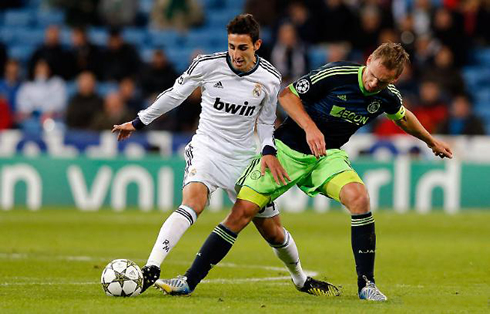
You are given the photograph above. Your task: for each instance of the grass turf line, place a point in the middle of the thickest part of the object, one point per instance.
(51, 261)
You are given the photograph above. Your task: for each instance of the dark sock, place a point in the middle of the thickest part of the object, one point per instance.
(217, 245)
(364, 246)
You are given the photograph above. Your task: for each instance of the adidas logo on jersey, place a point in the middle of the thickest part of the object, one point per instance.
(218, 85)
(243, 110)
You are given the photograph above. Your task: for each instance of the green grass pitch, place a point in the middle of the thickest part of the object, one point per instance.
(51, 261)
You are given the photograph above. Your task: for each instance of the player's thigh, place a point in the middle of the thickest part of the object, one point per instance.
(262, 189)
(331, 174)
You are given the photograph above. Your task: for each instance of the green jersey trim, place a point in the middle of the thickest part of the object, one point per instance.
(397, 116)
(293, 90)
(361, 84)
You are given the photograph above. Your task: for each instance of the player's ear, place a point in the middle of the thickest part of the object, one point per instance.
(257, 44)
(369, 59)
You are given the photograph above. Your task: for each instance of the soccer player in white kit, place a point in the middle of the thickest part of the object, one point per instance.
(239, 91)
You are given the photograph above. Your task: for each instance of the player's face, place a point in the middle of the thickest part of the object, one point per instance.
(376, 76)
(242, 51)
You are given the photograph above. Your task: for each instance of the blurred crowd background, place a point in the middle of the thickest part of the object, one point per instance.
(89, 64)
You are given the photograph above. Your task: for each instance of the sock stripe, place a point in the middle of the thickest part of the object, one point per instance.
(362, 222)
(185, 214)
(225, 236)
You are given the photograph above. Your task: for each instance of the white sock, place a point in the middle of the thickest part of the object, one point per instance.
(288, 253)
(172, 230)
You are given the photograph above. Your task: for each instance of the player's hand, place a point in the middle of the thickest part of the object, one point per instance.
(125, 130)
(316, 141)
(278, 172)
(441, 149)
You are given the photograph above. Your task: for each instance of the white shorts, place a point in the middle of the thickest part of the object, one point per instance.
(215, 171)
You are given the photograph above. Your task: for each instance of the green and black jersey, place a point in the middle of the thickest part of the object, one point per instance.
(335, 98)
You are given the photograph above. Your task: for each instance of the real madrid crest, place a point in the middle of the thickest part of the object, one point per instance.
(257, 90)
(374, 106)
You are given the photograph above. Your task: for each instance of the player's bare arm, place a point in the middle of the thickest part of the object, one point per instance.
(124, 130)
(294, 108)
(410, 124)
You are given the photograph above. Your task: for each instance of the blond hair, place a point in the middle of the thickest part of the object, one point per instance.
(392, 56)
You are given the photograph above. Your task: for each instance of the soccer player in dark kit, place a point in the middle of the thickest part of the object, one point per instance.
(325, 107)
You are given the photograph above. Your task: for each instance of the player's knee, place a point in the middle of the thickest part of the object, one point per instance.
(359, 204)
(241, 215)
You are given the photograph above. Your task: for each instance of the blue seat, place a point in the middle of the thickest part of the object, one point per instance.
(146, 54)
(476, 76)
(482, 56)
(98, 35)
(317, 56)
(104, 88)
(135, 36)
(21, 52)
(29, 36)
(71, 88)
(221, 18)
(167, 38)
(18, 17)
(50, 17)
(145, 6)
(7, 34)
(482, 96)
(180, 57)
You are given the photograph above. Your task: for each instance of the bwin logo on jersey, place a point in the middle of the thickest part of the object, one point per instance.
(243, 110)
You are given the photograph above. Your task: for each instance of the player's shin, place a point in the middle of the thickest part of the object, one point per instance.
(363, 238)
(172, 230)
(217, 245)
(288, 254)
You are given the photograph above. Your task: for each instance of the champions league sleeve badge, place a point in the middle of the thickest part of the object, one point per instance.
(302, 86)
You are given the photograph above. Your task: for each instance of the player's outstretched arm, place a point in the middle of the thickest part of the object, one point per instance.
(410, 124)
(124, 130)
(294, 108)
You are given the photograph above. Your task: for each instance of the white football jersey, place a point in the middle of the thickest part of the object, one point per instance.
(232, 103)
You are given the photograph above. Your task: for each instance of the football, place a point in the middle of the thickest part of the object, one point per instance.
(122, 278)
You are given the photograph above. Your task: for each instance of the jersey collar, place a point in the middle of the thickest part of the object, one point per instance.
(361, 84)
(240, 73)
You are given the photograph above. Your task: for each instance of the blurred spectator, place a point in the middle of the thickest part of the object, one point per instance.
(367, 34)
(444, 73)
(131, 95)
(483, 23)
(335, 21)
(6, 118)
(42, 98)
(289, 54)
(120, 59)
(431, 109)
(188, 113)
(7, 4)
(177, 14)
(3, 57)
(407, 83)
(117, 13)
(448, 29)
(85, 104)
(9, 85)
(79, 12)
(300, 15)
(53, 53)
(158, 75)
(421, 14)
(265, 12)
(114, 112)
(425, 50)
(462, 120)
(85, 55)
(407, 34)
(338, 52)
